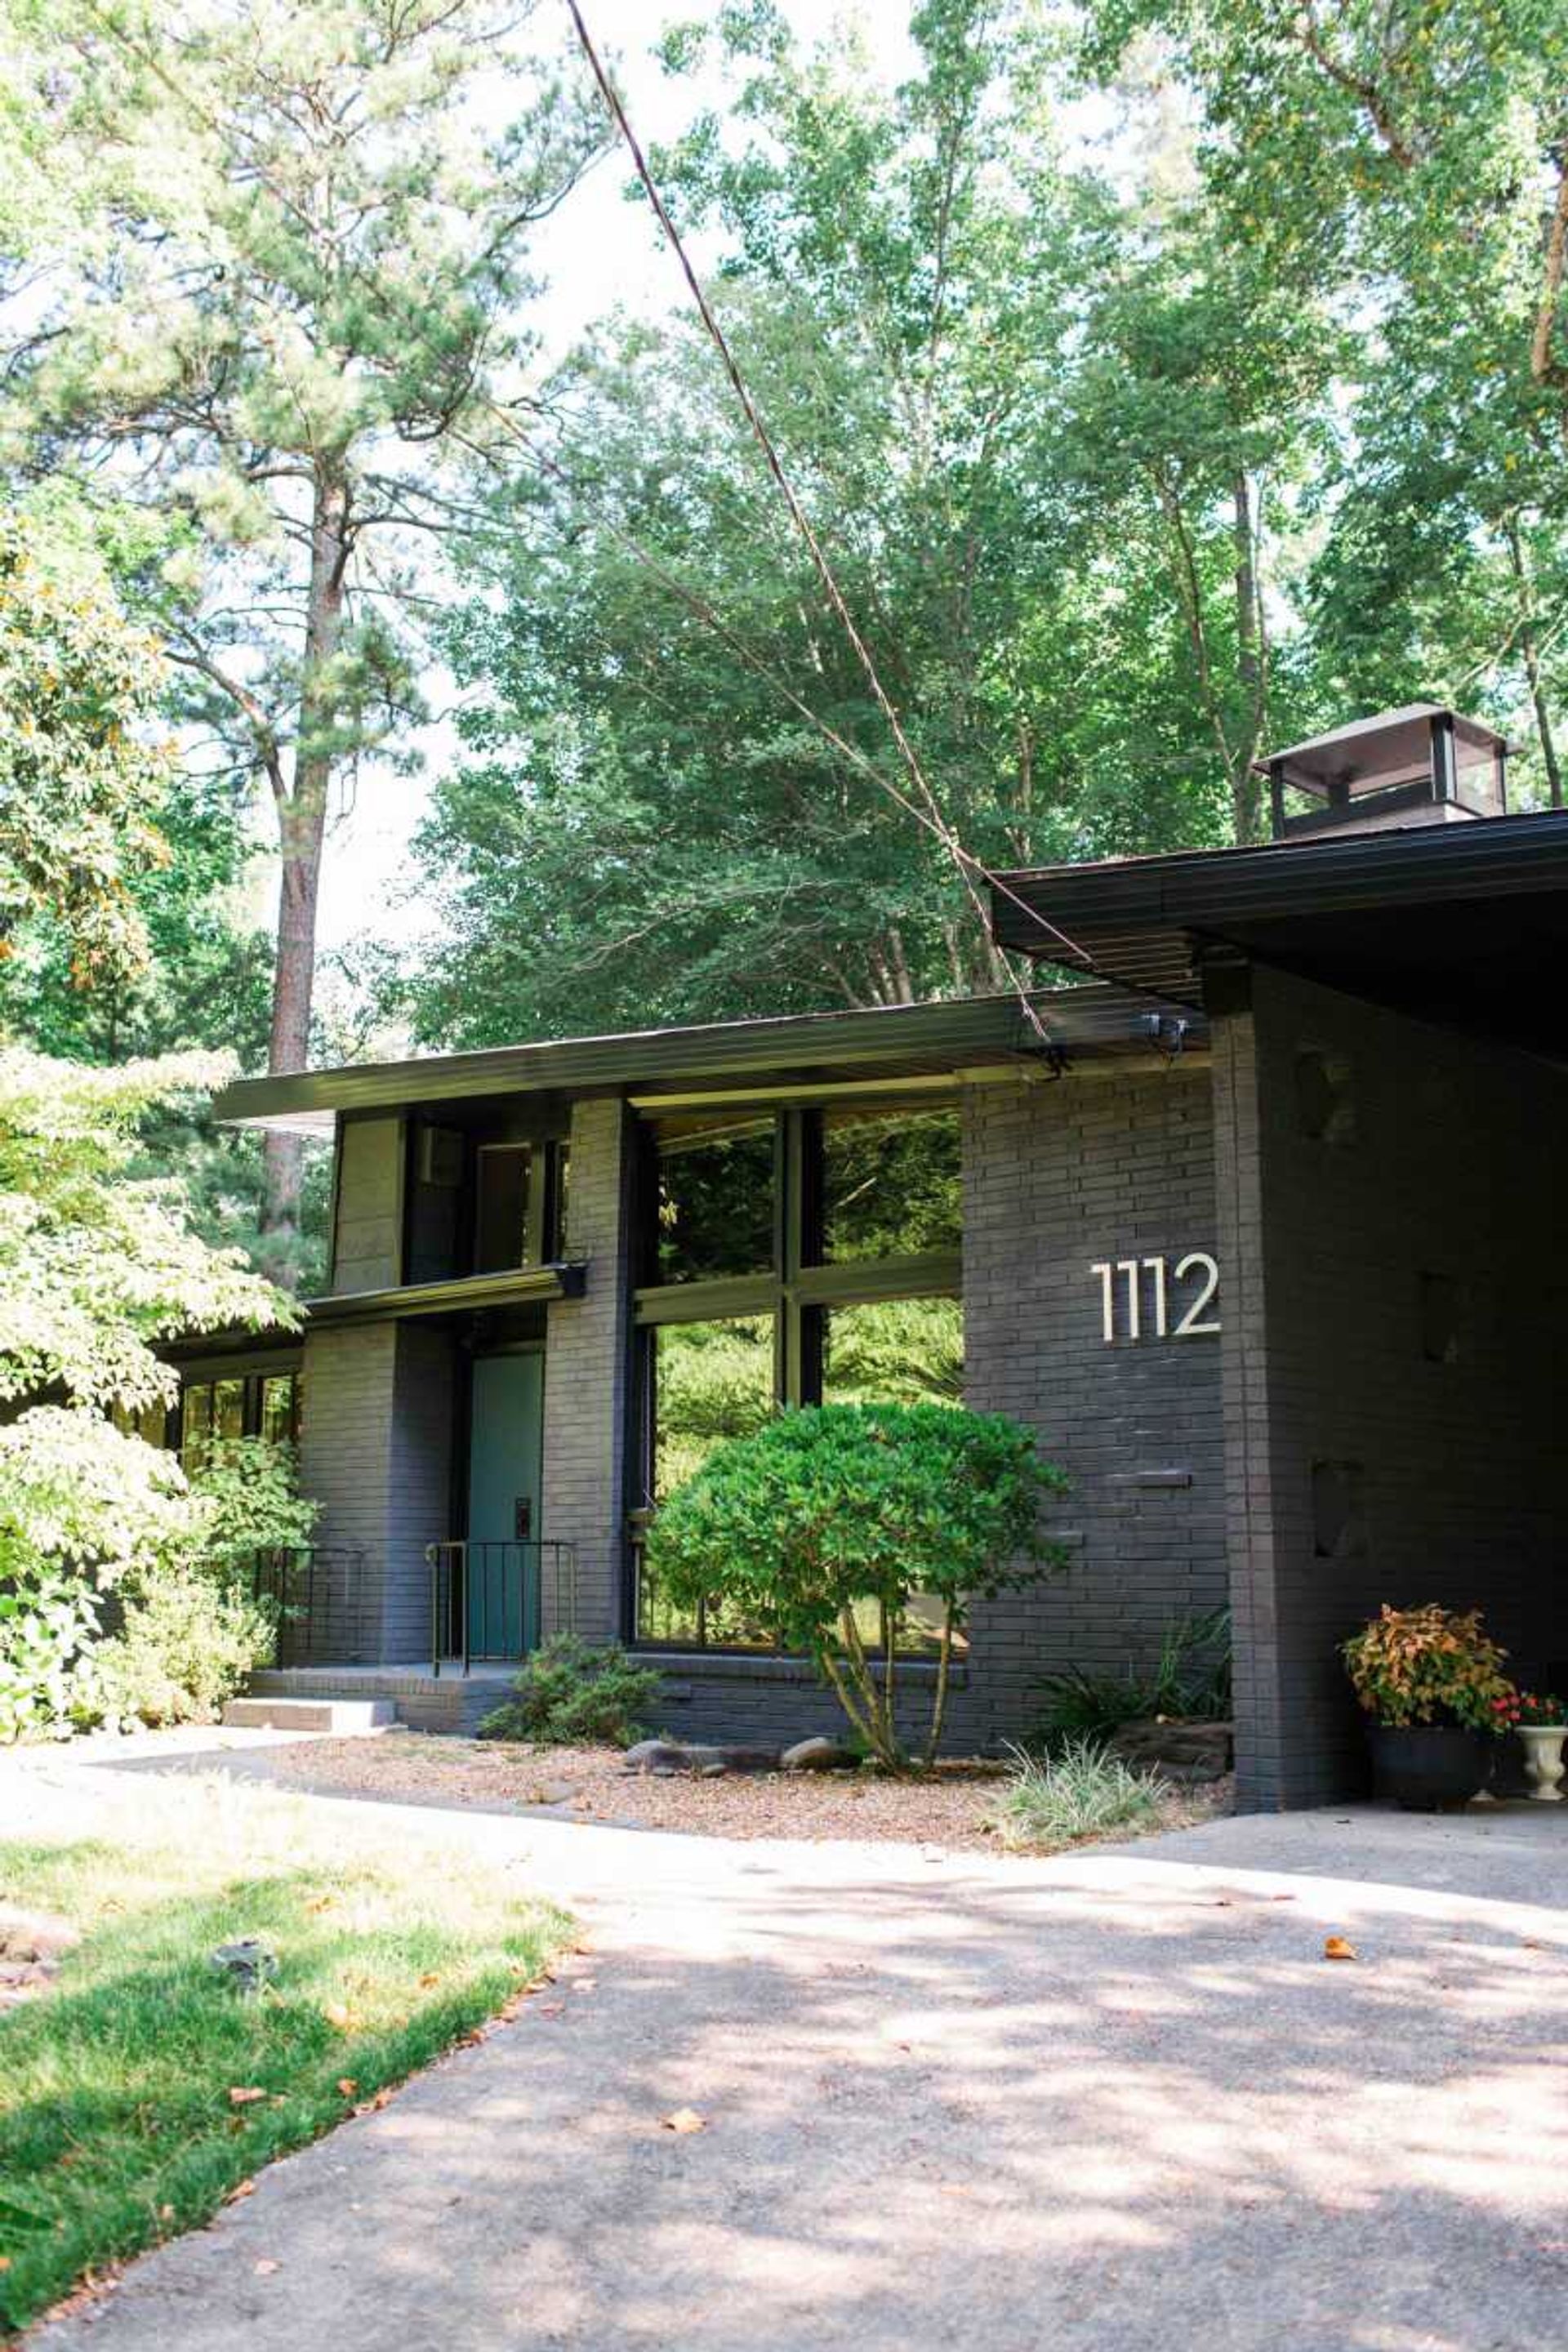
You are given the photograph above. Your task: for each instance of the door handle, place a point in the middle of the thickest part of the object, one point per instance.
(522, 1517)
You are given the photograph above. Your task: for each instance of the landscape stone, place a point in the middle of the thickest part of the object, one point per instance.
(663, 1758)
(817, 1755)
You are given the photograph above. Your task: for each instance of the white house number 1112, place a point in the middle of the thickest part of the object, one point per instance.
(1186, 1291)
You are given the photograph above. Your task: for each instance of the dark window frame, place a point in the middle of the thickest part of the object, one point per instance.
(797, 1293)
(251, 1404)
(544, 1189)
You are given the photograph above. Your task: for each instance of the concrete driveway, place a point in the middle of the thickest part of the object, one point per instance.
(1117, 2100)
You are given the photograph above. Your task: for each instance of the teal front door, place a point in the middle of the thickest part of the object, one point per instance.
(506, 1450)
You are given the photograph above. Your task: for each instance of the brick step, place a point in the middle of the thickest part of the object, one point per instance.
(339, 1718)
(417, 1698)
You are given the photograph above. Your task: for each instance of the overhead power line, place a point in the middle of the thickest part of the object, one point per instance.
(964, 863)
(925, 809)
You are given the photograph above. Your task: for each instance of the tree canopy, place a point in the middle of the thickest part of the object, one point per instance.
(1163, 378)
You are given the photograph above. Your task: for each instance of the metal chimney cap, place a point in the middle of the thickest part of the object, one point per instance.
(1388, 742)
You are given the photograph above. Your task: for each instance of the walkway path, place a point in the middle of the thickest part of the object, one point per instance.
(1116, 2100)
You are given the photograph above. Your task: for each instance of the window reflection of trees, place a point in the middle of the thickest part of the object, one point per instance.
(890, 1184)
(829, 1240)
(894, 1352)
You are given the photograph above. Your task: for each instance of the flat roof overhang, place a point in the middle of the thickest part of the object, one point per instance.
(1464, 923)
(897, 1046)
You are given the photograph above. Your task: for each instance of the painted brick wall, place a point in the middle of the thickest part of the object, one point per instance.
(586, 1366)
(1059, 1177)
(1451, 1170)
(345, 1460)
(374, 1450)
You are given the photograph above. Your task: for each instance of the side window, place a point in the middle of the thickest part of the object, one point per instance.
(264, 1404)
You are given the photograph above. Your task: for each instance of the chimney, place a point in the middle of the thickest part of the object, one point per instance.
(1424, 764)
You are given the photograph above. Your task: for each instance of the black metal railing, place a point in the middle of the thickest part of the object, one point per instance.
(314, 1593)
(492, 1601)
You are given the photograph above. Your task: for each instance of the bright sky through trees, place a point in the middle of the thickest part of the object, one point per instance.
(600, 254)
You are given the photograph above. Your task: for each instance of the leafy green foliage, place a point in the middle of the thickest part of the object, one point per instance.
(188, 1638)
(1190, 1678)
(188, 1631)
(249, 1487)
(309, 270)
(832, 1507)
(117, 2129)
(644, 828)
(82, 781)
(46, 1625)
(572, 1695)
(95, 1268)
(1429, 1665)
(1408, 166)
(1078, 1793)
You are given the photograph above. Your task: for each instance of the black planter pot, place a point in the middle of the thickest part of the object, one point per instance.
(1432, 1768)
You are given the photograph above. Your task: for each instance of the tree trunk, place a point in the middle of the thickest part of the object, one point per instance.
(301, 828)
(1246, 788)
(1530, 654)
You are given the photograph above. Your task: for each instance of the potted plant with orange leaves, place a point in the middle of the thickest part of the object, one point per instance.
(1431, 1679)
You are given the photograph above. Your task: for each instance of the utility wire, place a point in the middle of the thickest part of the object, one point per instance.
(929, 816)
(963, 861)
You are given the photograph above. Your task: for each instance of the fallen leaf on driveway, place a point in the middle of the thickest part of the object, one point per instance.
(684, 2119)
(583, 1984)
(265, 2266)
(244, 2097)
(241, 2189)
(347, 2085)
(1336, 1948)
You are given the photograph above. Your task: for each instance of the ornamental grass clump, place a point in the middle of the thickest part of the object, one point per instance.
(1428, 1665)
(1080, 1792)
(835, 1526)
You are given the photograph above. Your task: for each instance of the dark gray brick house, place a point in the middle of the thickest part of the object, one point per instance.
(1255, 1224)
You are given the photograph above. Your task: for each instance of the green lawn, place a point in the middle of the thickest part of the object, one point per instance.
(117, 2128)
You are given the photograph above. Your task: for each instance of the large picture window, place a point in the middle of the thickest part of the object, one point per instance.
(796, 1256)
(890, 1184)
(713, 1197)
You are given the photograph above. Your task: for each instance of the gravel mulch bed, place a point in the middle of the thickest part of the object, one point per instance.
(947, 1807)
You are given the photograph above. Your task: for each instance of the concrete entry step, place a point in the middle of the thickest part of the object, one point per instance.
(421, 1701)
(341, 1718)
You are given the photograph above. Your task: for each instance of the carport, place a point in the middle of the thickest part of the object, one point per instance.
(1390, 1072)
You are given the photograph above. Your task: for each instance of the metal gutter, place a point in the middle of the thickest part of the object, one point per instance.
(1203, 890)
(935, 1039)
(565, 1279)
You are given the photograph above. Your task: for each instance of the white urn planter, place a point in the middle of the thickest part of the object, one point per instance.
(1543, 1759)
